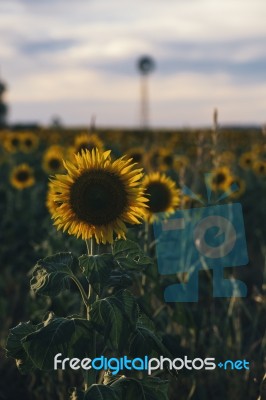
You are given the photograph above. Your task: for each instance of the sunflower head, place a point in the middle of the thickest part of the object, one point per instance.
(29, 142)
(136, 154)
(180, 162)
(246, 160)
(52, 162)
(219, 179)
(98, 196)
(163, 195)
(166, 160)
(152, 158)
(86, 141)
(241, 186)
(12, 142)
(259, 167)
(22, 177)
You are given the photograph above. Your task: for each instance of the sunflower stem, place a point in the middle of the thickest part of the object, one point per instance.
(90, 379)
(82, 291)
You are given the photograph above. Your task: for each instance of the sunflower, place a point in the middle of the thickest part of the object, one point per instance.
(246, 160)
(259, 167)
(152, 157)
(219, 178)
(29, 142)
(53, 160)
(22, 177)
(87, 141)
(98, 196)
(180, 162)
(166, 160)
(12, 142)
(164, 197)
(136, 154)
(241, 185)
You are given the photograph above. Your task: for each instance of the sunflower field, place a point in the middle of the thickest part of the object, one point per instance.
(80, 274)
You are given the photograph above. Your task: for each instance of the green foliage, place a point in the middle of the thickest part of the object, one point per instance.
(101, 392)
(146, 389)
(51, 275)
(115, 317)
(37, 345)
(97, 269)
(144, 340)
(130, 256)
(15, 348)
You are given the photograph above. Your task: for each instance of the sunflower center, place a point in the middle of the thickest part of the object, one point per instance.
(15, 142)
(218, 179)
(168, 160)
(28, 142)
(22, 176)
(54, 163)
(159, 197)
(98, 197)
(262, 168)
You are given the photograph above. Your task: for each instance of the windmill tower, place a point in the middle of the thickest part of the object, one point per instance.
(145, 66)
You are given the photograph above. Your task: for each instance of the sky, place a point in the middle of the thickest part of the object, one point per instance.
(77, 59)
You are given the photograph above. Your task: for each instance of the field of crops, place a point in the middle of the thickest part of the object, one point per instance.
(79, 272)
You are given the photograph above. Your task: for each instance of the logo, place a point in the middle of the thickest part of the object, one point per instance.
(211, 237)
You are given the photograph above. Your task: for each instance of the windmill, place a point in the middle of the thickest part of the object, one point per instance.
(145, 66)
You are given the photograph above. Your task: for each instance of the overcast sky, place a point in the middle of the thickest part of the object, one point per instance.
(76, 58)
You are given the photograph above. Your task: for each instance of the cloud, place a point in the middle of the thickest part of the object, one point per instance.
(206, 51)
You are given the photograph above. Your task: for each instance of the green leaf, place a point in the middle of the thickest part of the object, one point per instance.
(119, 279)
(97, 269)
(101, 392)
(147, 389)
(129, 255)
(143, 342)
(71, 337)
(115, 317)
(155, 389)
(51, 275)
(14, 346)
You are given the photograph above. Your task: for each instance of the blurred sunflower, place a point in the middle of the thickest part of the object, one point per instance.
(98, 196)
(87, 141)
(53, 160)
(29, 142)
(241, 184)
(259, 167)
(163, 195)
(246, 159)
(151, 159)
(166, 159)
(22, 176)
(180, 162)
(136, 154)
(219, 178)
(12, 142)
